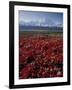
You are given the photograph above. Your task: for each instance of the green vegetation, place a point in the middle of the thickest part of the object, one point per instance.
(46, 33)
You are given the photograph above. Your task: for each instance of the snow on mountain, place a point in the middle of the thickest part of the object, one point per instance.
(43, 23)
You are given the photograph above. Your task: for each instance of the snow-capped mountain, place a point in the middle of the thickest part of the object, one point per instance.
(42, 23)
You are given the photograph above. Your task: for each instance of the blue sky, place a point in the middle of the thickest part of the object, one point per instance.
(35, 18)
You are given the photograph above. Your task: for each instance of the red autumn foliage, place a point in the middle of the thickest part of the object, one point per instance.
(40, 57)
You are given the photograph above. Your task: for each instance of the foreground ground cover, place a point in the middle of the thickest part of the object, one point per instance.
(40, 56)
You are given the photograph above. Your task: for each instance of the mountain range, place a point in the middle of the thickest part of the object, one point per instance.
(44, 23)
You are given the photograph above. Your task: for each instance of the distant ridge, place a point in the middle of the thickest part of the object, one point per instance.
(40, 28)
